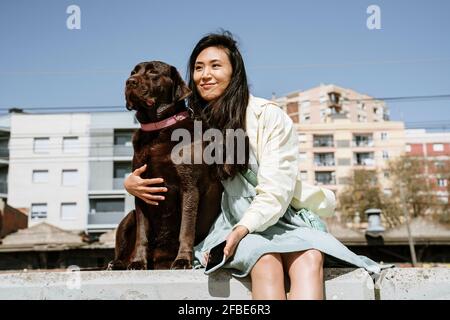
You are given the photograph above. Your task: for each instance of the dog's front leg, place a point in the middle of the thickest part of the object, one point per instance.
(138, 259)
(189, 208)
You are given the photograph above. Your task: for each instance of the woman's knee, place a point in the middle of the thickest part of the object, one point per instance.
(313, 259)
(269, 265)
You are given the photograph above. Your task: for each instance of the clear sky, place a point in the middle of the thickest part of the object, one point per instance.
(287, 46)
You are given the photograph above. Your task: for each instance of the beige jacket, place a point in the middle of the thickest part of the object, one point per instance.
(274, 141)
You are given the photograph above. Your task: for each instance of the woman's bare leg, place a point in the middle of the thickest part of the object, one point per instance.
(306, 274)
(268, 278)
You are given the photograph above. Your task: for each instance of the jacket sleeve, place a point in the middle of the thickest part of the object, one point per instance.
(277, 173)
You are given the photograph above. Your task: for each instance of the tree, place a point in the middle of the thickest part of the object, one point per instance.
(360, 194)
(409, 172)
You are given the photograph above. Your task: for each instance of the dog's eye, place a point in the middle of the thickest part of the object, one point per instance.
(133, 72)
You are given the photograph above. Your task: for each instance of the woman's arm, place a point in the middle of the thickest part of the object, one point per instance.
(139, 187)
(277, 172)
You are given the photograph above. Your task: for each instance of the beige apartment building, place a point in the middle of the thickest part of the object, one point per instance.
(340, 130)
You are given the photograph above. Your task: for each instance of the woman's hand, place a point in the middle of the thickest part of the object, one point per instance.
(233, 240)
(138, 187)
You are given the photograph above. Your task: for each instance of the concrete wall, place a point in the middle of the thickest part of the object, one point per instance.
(340, 284)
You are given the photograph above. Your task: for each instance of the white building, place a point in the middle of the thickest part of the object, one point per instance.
(68, 169)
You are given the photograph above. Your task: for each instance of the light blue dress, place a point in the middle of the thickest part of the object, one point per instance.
(289, 234)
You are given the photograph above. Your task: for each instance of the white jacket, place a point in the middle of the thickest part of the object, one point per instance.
(274, 141)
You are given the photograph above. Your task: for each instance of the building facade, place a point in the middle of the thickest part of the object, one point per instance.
(434, 148)
(68, 169)
(340, 130)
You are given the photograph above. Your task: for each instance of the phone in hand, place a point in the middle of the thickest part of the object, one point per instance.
(216, 257)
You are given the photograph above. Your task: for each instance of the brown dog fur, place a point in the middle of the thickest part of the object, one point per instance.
(163, 236)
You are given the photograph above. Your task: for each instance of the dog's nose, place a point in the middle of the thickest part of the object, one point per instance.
(132, 82)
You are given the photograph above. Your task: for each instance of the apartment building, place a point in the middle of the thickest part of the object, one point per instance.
(4, 155)
(68, 169)
(434, 147)
(340, 130)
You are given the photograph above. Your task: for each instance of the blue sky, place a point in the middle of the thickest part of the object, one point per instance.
(287, 46)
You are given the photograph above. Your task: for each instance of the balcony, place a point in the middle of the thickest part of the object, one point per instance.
(324, 159)
(362, 141)
(364, 159)
(105, 218)
(325, 178)
(334, 102)
(123, 150)
(323, 141)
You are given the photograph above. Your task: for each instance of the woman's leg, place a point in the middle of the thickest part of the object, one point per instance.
(268, 278)
(306, 274)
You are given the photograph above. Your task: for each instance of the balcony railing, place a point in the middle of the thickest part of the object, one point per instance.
(123, 150)
(328, 163)
(364, 162)
(323, 143)
(323, 181)
(105, 218)
(362, 143)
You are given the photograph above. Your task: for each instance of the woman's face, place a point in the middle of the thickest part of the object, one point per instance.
(212, 73)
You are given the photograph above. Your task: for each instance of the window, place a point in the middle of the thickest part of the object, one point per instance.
(306, 117)
(38, 211)
(107, 205)
(41, 145)
(384, 136)
(69, 211)
(123, 138)
(70, 145)
(302, 156)
(385, 155)
(438, 147)
(442, 182)
(387, 191)
(122, 169)
(301, 137)
(304, 175)
(386, 174)
(70, 177)
(323, 114)
(408, 148)
(40, 176)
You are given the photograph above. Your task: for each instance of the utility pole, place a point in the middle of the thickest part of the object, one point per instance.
(406, 214)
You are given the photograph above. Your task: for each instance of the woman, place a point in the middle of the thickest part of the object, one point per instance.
(265, 237)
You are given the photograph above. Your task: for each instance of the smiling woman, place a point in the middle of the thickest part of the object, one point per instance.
(212, 73)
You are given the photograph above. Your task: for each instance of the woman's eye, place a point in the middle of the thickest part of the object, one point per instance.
(198, 68)
(216, 65)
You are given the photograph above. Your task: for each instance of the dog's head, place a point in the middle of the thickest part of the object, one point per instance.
(153, 90)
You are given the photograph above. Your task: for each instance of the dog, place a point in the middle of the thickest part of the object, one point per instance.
(163, 236)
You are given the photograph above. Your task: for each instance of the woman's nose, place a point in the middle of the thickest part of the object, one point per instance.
(206, 73)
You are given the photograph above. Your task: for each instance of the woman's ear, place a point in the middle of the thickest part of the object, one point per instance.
(180, 89)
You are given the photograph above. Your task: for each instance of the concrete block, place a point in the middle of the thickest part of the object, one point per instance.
(162, 284)
(414, 284)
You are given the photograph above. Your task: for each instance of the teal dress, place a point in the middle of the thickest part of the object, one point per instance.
(289, 234)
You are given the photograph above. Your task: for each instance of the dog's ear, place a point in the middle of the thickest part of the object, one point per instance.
(180, 89)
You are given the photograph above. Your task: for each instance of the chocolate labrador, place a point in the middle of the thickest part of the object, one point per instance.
(163, 236)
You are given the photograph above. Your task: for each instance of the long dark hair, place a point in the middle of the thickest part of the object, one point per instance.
(228, 111)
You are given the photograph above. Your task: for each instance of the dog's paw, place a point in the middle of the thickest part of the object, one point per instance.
(181, 264)
(137, 265)
(116, 265)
